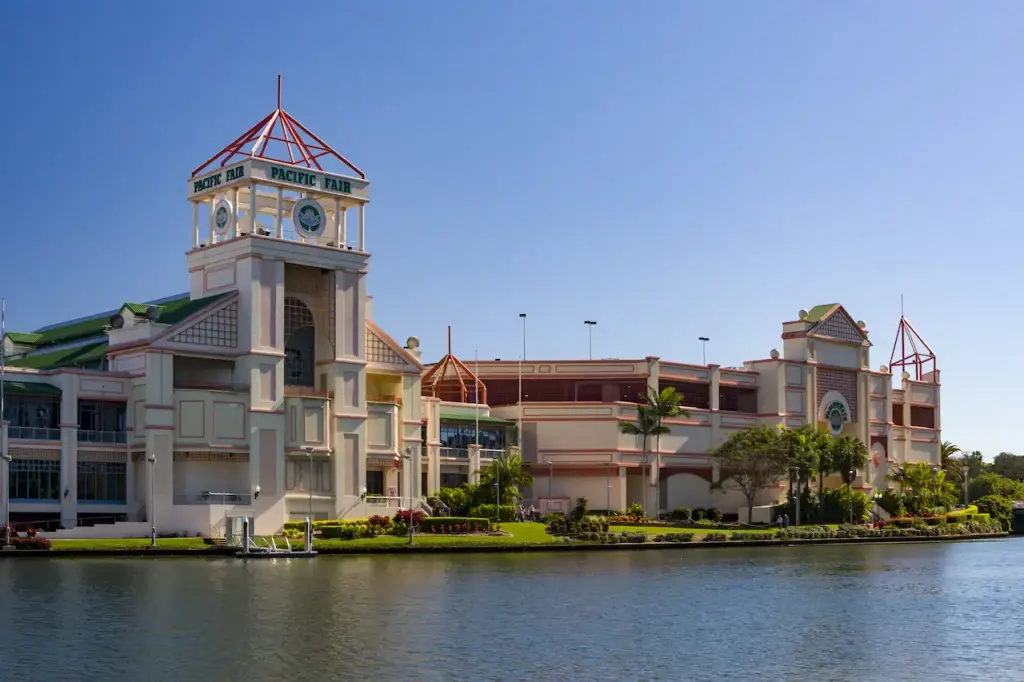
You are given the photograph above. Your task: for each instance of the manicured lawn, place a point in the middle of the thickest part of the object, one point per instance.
(129, 543)
(522, 534)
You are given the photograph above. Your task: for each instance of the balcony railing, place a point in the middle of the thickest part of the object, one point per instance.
(490, 454)
(386, 501)
(213, 498)
(88, 436)
(210, 386)
(458, 453)
(305, 392)
(32, 433)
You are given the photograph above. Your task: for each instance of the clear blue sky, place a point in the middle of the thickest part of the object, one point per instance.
(669, 169)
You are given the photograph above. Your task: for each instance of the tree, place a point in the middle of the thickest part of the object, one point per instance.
(952, 465)
(751, 459)
(508, 472)
(1009, 465)
(987, 484)
(974, 463)
(848, 454)
(803, 447)
(654, 407)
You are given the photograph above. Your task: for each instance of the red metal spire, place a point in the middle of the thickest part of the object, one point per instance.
(303, 147)
(451, 380)
(910, 350)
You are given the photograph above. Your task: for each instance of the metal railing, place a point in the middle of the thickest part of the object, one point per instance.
(386, 501)
(213, 386)
(88, 436)
(32, 433)
(213, 498)
(459, 453)
(491, 454)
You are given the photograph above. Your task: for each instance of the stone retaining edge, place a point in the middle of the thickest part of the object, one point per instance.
(491, 549)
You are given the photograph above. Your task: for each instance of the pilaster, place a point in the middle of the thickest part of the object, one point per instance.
(69, 451)
(474, 463)
(714, 396)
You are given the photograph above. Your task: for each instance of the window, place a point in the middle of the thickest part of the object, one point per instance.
(297, 472)
(374, 482)
(34, 479)
(33, 417)
(462, 435)
(299, 344)
(101, 422)
(102, 482)
(453, 480)
(921, 415)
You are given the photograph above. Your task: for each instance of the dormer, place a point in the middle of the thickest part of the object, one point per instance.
(828, 335)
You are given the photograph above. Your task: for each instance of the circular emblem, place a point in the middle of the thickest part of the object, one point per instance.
(835, 415)
(223, 217)
(309, 218)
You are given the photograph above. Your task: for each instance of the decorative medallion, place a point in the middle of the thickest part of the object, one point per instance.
(309, 218)
(836, 416)
(223, 217)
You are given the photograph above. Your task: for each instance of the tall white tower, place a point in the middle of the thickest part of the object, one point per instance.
(270, 223)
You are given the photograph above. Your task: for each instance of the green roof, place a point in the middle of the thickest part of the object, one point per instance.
(77, 356)
(172, 311)
(24, 339)
(472, 418)
(819, 311)
(28, 388)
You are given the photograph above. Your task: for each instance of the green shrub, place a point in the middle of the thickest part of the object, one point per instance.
(892, 502)
(579, 510)
(486, 511)
(345, 532)
(699, 514)
(998, 508)
(635, 509)
(715, 537)
(458, 500)
(715, 514)
(680, 514)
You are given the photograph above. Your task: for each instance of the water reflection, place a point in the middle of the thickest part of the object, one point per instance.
(866, 612)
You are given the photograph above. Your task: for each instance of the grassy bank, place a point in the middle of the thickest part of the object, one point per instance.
(520, 537)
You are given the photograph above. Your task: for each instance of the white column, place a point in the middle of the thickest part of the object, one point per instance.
(252, 208)
(195, 225)
(343, 234)
(362, 227)
(129, 486)
(337, 224)
(212, 234)
(279, 220)
(234, 209)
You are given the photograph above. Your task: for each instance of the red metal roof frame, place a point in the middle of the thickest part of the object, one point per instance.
(919, 355)
(279, 126)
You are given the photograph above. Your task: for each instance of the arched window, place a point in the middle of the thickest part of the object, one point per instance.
(299, 344)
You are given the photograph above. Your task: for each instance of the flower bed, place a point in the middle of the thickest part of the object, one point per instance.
(449, 525)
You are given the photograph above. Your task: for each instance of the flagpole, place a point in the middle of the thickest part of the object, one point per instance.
(476, 395)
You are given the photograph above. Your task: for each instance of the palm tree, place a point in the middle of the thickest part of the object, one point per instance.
(803, 447)
(952, 465)
(849, 454)
(654, 407)
(508, 472)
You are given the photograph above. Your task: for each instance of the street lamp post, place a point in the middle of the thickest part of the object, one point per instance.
(551, 475)
(590, 335)
(704, 349)
(412, 525)
(309, 449)
(5, 468)
(522, 359)
(152, 499)
(878, 507)
(850, 486)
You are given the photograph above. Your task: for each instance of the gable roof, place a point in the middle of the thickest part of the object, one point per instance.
(831, 321)
(393, 345)
(83, 342)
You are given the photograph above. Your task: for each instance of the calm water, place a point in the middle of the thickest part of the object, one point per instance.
(875, 612)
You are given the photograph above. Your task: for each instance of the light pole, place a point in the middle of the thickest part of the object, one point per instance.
(551, 476)
(967, 474)
(703, 349)
(878, 507)
(850, 486)
(590, 335)
(412, 526)
(5, 482)
(796, 496)
(152, 499)
(522, 359)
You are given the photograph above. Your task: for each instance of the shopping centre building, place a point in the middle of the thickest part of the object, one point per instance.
(267, 393)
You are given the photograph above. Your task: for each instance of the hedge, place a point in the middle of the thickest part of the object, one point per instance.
(458, 524)
(486, 511)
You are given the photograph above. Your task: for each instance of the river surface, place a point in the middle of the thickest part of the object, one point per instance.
(885, 612)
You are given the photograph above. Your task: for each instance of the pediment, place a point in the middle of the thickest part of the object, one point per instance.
(381, 349)
(840, 326)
